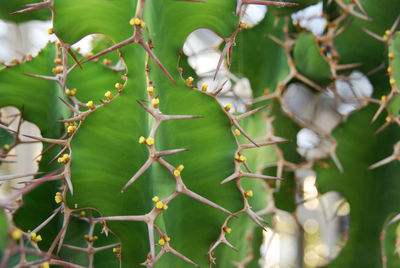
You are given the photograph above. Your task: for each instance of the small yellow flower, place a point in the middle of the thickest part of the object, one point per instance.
(150, 90)
(63, 159)
(228, 107)
(142, 140)
(159, 205)
(58, 198)
(242, 158)
(150, 141)
(387, 32)
(59, 69)
(57, 61)
(390, 55)
(109, 95)
(204, 87)
(82, 214)
(117, 250)
(137, 22)
(177, 173)
(118, 86)
(6, 147)
(383, 98)
(167, 239)
(58, 43)
(248, 193)
(155, 102)
(161, 242)
(90, 105)
(243, 25)
(189, 80)
(45, 265)
(237, 132)
(165, 207)
(107, 62)
(16, 234)
(388, 118)
(180, 167)
(227, 229)
(392, 81)
(50, 31)
(389, 69)
(155, 199)
(89, 54)
(71, 129)
(36, 238)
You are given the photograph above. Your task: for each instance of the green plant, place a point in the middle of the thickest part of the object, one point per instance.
(146, 166)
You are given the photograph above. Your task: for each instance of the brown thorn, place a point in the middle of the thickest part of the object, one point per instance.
(372, 34)
(67, 178)
(156, 60)
(396, 22)
(12, 177)
(247, 146)
(347, 66)
(358, 4)
(269, 3)
(112, 48)
(204, 200)
(59, 154)
(378, 112)
(54, 141)
(246, 114)
(230, 178)
(51, 78)
(216, 92)
(244, 132)
(70, 106)
(32, 7)
(179, 117)
(259, 176)
(181, 256)
(382, 128)
(70, 52)
(169, 152)
(150, 111)
(228, 45)
(145, 166)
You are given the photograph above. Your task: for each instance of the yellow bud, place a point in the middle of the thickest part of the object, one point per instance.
(167, 239)
(242, 158)
(82, 214)
(68, 92)
(227, 229)
(248, 193)
(237, 157)
(71, 129)
(36, 238)
(155, 102)
(159, 205)
(118, 86)
(63, 159)
(29, 56)
(50, 31)
(383, 98)
(385, 38)
(16, 234)
(243, 25)
(165, 207)
(389, 69)
(390, 55)
(392, 81)
(107, 62)
(90, 105)
(73, 92)
(15, 60)
(117, 250)
(109, 95)
(142, 139)
(132, 21)
(150, 90)
(150, 141)
(57, 61)
(95, 238)
(177, 173)
(388, 118)
(155, 199)
(78, 49)
(58, 198)
(204, 87)
(89, 54)
(45, 265)
(237, 132)
(180, 168)
(6, 147)
(59, 69)
(58, 43)
(387, 32)
(228, 107)
(161, 242)
(189, 80)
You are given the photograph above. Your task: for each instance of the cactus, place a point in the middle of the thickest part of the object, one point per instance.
(144, 165)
